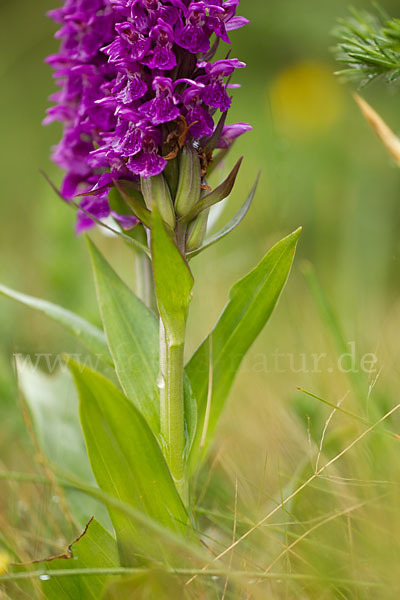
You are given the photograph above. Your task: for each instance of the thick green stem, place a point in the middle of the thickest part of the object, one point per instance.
(172, 417)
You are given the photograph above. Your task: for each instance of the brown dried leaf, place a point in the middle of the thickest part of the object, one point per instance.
(385, 134)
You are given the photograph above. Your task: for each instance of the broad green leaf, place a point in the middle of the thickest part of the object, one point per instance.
(92, 337)
(132, 333)
(235, 221)
(172, 276)
(53, 406)
(127, 462)
(96, 548)
(250, 305)
(217, 195)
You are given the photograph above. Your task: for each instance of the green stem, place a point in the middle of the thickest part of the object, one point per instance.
(144, 282)
(144, 275)
(172, 417)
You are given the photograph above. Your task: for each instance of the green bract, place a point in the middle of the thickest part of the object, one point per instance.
(189, 184)
(156, 190)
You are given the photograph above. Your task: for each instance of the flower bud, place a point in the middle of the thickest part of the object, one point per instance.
(189, 186)
(197, 232)
(155, 189)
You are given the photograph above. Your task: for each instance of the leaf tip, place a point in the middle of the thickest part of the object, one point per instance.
(295, 235)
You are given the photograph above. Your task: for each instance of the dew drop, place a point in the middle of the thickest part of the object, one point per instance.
(160, 382)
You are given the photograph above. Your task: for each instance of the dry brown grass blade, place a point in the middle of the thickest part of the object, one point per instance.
(296, 492)
(383, 131)
(233, 539)
(328, 519)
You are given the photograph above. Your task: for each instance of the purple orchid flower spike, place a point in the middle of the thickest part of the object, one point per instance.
(135, 83)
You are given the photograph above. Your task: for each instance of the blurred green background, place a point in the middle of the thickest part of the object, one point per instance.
(322, 168)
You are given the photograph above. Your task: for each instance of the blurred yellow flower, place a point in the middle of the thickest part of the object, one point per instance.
(306, 100)
(4, 562)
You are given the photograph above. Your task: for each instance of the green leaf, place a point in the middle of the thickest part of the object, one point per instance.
(213, 141)
(190, 405)
(94, 549)
(237, 219)
(92, 337)
(53, 406)
(250, 305)
(172, 276)
(132, 333)
(217, 195)
(217, 159)
(76, 206)
(127, 462)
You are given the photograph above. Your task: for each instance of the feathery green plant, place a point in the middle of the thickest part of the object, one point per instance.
(369, 46)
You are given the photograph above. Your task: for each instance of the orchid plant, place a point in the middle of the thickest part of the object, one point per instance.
(144, 102)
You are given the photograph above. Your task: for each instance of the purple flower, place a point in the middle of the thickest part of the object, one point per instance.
(194, 36)
(147, 162)
(127, 222)
(222, 21)
(128, 139)
(197, 116)
(215, 94)
(163, 107)
(129, 85)
(162, 56)
(130, 74)
(96, 206)
(130, 44)
(231, 132)
(145, 14)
